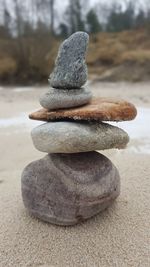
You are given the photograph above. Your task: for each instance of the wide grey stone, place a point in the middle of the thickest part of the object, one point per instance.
(65, 189)
(56, 99)
(70, 68)
(74, 137)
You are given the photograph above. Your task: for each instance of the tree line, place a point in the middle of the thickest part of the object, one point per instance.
(28, 18)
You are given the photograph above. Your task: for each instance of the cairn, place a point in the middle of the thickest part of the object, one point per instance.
(73, 182)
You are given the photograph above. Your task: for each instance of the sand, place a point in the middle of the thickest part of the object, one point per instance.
(120, 236)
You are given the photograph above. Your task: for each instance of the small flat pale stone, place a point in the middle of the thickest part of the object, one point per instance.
(74, 137)
(101, 109)
(67, 189)
(70, 68)
(57, 98)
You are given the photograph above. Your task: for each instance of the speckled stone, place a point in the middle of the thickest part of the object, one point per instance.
(66, 189)
(70, 70)
(75, 137)
(57, 99)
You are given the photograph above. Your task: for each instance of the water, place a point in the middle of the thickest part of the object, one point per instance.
(20, 121)
(23, 89)
(140, 127)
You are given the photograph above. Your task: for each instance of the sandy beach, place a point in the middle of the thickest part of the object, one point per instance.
(119, 236)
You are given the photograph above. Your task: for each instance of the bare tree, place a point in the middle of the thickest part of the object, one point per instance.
(46, 13)
(52, 2)
(7, 16)
(75, 16)
(5, 19)
(18, 18)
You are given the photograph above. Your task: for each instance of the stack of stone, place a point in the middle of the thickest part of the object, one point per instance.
(67, 186)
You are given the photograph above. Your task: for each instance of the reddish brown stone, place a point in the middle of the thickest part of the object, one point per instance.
(102, 109)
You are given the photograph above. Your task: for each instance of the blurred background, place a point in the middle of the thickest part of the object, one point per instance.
(119, 66)
(31, 31)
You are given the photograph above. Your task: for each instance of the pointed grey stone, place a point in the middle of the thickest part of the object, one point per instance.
(70, 68)
(66, 189)
(56, 99)
(75, 137)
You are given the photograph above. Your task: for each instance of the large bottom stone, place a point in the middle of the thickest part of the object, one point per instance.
(65, 189)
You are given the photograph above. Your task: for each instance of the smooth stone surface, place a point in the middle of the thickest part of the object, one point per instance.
(56, 99)
(100, 109)
(74, 137)
(67, 189)
(70, 68)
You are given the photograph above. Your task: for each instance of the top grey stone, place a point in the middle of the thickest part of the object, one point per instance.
(70, 68)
